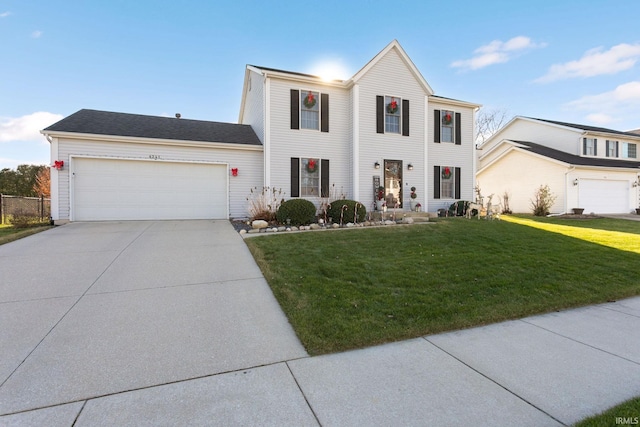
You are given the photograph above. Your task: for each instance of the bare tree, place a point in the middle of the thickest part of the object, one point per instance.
(488, 122)
(42, 187)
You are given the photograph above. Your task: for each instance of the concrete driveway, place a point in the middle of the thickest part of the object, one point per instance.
(97, 309)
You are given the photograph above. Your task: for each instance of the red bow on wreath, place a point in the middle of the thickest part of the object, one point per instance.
(312, 164)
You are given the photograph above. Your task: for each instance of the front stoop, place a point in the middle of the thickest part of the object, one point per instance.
(399, 214)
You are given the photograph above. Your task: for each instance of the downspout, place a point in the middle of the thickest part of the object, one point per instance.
(566, 188)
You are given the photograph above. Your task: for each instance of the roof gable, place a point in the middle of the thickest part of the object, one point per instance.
(585, 128)
(140, 126)
(394, 45)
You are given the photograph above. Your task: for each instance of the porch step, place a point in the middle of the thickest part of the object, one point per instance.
(399, 214)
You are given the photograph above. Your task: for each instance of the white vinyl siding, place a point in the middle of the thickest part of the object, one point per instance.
(287, 143)
(390, 75)
(254, 105)
(249, 164)
(461, 156)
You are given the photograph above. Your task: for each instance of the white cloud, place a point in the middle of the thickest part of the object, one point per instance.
(497, 52)
(4, 14)
(26, 128)
(36, 34)
(595, 62)
(616, 106)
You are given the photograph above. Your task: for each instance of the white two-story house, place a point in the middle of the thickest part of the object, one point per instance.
(383, 127)
(587, 167)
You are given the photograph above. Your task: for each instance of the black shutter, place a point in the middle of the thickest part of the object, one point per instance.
(324, 178)
(324, 112)
(458, 129)
(405, 117)
(379, 114)
(457, 183)
(436, 182)
(584, 146)
(606, 148)
(436, 128)
(595, 147)
(295, 109)
(617, 146)
(295, 177)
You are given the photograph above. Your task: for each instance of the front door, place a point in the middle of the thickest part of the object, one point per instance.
(393, 183)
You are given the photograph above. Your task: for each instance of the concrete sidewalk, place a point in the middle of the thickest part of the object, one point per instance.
(188, 342)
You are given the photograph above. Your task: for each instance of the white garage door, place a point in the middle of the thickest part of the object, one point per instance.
(604, 196)
(107, 189)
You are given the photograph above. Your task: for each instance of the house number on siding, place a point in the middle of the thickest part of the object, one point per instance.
(154, 156)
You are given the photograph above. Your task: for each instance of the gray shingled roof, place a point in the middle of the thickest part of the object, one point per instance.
(586, 128)
(572, 159)
(140, 126)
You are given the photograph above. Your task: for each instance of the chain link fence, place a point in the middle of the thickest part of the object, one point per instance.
(37, 209)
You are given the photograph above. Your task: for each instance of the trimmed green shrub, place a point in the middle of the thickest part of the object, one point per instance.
(297, 211)
(335, 209)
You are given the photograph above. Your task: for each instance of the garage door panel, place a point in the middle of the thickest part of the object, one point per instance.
(604, 196)
(109, 189)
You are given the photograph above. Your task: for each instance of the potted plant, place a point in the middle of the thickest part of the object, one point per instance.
(577, 211)
(414, 196)
(380, 199)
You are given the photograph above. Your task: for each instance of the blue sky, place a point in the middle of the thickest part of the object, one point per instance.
(573, 61)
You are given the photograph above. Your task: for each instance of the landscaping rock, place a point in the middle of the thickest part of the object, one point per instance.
(294, 228)
(243, 231)
(349, 225)
(253, 231)
(274, 229)
(407, 220)
(288, 229)
(282, 228)
(389, 222)
(335, 226)
(259, 224)
(314, 227)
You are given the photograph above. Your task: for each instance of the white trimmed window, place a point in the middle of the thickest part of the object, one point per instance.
(309, 110)
(589, 147)
(392, 114)
(447, 119)
(629, 150)
(309, 177)
(612, 148)
(447, 182)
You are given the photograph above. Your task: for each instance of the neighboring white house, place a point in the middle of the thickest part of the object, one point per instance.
(587, 167)
(383, 126)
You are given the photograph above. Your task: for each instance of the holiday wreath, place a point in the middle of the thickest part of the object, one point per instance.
(309, 100)
(312, 166)
(392, 107)
(446, 172)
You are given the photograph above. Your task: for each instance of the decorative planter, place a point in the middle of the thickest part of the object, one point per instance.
(413, 203)
(577, 211)
(379, 204)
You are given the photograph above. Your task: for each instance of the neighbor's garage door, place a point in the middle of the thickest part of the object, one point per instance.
(107, 189)
(603, 196)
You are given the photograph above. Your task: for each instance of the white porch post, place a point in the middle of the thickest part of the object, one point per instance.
(267, 132)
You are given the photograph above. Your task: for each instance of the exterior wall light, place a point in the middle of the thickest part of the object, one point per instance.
(575, 181)
(376, 165)
(410, 166)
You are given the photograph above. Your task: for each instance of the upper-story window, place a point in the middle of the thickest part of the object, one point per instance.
(309, 110)
(447, 126)
(612, 148)
(446, 123)
(392, 108)
(590, 147)
(392, 115)
(629, 150)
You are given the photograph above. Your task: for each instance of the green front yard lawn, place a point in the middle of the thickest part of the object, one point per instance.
(356, 288)
(627, 413)
(9, 233)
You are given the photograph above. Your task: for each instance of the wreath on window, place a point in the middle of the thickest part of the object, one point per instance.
(446, 172)
(312, 166)
(309, 100)
(447, 118)
(392, 107)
